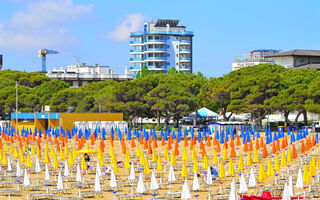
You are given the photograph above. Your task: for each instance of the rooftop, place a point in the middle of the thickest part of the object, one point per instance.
(164, 22)
(297, 52)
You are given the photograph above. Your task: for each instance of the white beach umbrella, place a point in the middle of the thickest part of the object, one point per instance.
(9, 164)
(97, 186)
(233, 191)
(26, 178)
(195, 185)
(113, 181)
(78, 175)
(66, 172)
(209, 177)
(98, 169)
(185, 194)
(243, 185)
(141, 187)
(299, 183)
(285, 194)
(154, 184)
(290, 187)
(252, 179)
(18, 170)
(132, 175)
(37, 167)
(171, 176)
(47, 173)
(60, 182)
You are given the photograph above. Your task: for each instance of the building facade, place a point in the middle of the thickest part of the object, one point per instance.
(1, 61)
(78, 75)
(296, 59)
(161, 46)
(255, 57)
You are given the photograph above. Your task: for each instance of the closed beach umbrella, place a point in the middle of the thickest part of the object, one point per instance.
(141, 188)
(171, 176)
(113, 181)
(154, 185)
(26, 178)
(97, 186)
(243, 185)
(252, 179)
(60, 182)
(132, 175)
(47, 173)
(195, 185)
(78, 175)
(186, 190)
(66, 172)
(38, 168)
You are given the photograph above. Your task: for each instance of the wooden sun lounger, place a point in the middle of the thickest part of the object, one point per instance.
(81, 185)
(5, 185)
(127, 196)
(42, 196)
(31, 187)
(58, 191)
(10, 193)
(91, 194)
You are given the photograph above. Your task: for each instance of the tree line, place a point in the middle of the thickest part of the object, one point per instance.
(258, 90)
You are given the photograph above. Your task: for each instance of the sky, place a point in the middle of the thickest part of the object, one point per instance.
(97, 31)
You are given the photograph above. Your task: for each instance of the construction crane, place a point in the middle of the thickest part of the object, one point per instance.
(43, 54)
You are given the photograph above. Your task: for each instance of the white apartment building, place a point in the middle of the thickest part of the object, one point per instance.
(78, 75)
(161, 46)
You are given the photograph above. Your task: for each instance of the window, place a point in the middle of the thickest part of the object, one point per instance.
(177, 64)
(177, 46)
(177, 55)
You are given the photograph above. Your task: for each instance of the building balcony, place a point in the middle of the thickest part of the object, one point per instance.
(156, 49)
(156, 59)
(136, 59)
(185, 68)
(135, 68)
(135, 34)
(136, 51)
(185, 41)
(185, 50)
(157, 67)
(189, 33)
(185, 59)
(156, 41)
(136, 42)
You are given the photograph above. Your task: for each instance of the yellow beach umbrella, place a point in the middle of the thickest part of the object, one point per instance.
(173, 159)
(29, 162)
(15, 153)
(88, 150)
(21, 157)
(11, 149)
(289, 156)
(32, 150)
(141, 158)
(83, 164)
(138, 154)
(4, 159)
(24, 147)
(74, 152)
(249, 160)
(184, 172)
(55, 162)
(215, 157)
(126, 162)
(205, 162)
(146, 167)
(66, 149)
(5, 147)
(115, 166)
(255, 156)
(225, 154)
(306, 177)
(283, 158)
(195, 165)
(276, 163)
(184, 155)
(1, 154)
(154, 156)
(166, 153)
(221, 171)
(46, 158)
(38, 152)
(262, 173)
(270, 171)
(240, 163)
(231, 167)
(71, 159)
(194, 154)
(159, 164)
(61, 155)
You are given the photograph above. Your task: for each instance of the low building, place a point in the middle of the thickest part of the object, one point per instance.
(78, 75)
(298, 59)
(53, 120)
(255, 57)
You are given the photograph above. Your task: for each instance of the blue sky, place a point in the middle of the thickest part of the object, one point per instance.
(96, 31)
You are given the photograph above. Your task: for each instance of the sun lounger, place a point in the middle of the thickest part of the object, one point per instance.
(31, 188)
(91, 194)
(10, 192)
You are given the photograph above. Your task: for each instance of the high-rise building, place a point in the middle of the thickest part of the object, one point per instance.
(161, 46)
(255, 57)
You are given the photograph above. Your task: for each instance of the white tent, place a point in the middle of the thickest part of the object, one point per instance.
(205, 112)
(78, 175)
(185, 190)
(299, 183)
(290, 187)
(113, 181)
(171, 176)
(195, 185)
(98, 168)
(97, 186)
(60, 182)
(285, 194)
(141, 188)
(37, 167)
(26, 178)
(9, 164)
(66, 169)
(47, 173)
(209, 177)
(243, 185)
(132, 175)
(18, 170)
(233, 191)
(153, 185)
(252, 179)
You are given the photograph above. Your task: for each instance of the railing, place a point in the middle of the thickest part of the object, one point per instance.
(136, 59)
(157, 67)
(170, 32)
(91, 76)
(185, 41)
(156, 49)
(156, 58)
(185, 50)
(136, 34)
(134, 67)
(136, 50)
(136, 42)
(185, 58)
(155, 40)
(185, 67)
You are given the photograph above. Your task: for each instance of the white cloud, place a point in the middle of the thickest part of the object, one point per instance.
(130, 23)
(41, 25)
